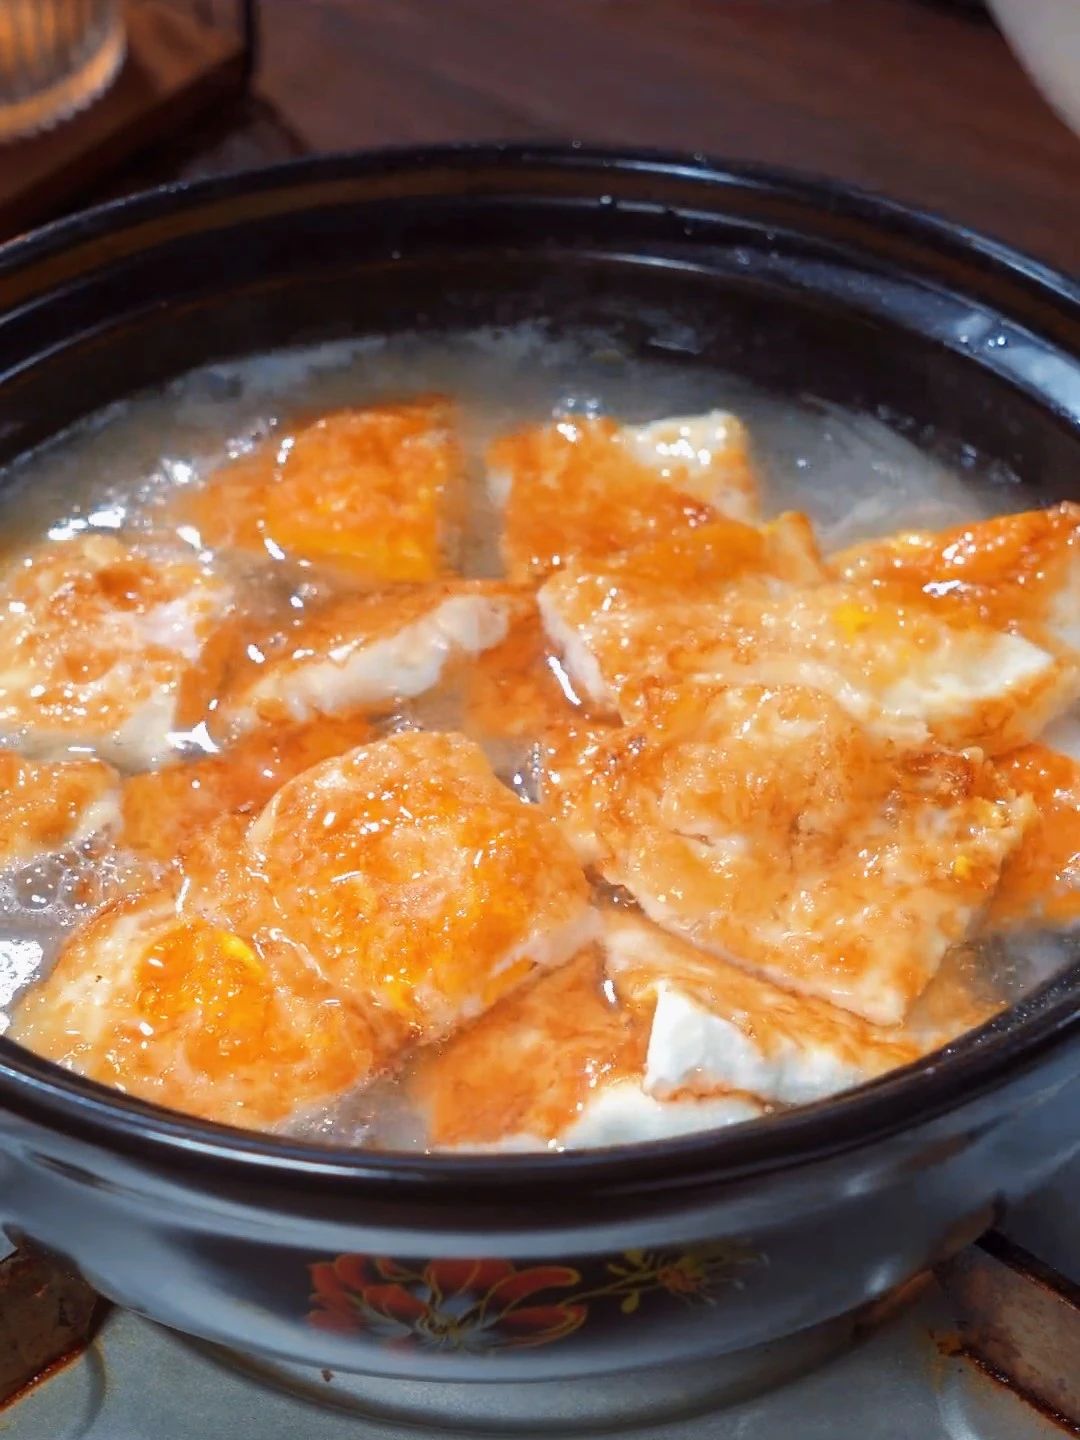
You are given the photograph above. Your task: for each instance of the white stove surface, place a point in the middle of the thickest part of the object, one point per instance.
(141, 1382)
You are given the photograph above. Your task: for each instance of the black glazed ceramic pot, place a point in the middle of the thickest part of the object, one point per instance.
(538, 1267)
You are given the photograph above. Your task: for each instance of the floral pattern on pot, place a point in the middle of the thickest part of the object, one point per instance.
(484, 1306)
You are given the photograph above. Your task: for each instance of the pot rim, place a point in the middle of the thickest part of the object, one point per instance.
(976, 1065)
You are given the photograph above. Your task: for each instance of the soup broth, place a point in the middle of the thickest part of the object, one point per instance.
(139, 476)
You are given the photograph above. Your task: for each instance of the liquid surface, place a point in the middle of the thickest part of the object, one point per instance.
(426, 1061)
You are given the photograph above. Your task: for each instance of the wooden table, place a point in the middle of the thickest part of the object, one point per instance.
(922, 101)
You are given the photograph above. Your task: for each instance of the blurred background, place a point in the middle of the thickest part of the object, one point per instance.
(925, 101)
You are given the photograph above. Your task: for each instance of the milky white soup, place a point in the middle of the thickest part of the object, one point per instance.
(498, 743)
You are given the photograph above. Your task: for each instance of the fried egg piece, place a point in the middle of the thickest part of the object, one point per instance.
(555, 1066)
(165, 810)
(367, 650)
(624, 1114)
(1040, 884)
(1015, 572)
(46, 807)
(769, 827)
(101, 649)
(905, 667)
(621, 620)
(419, 880)
(571, 770)
(579, 489)
(531, 1064)
(372, 492)
(380, 899)
(902, 669)
(186, 1012)
(716, 1027)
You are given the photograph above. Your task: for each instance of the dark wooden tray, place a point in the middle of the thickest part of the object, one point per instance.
(177, 68)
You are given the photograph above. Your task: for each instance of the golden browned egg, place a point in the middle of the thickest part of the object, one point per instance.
(715, 1027)
(900, 668)
(905, 667)
(530, 1065)
(617, 623)
(1015, 572)
(576, 764)
(99, 645)
(185, 1011)
(371, 492)
(419, 880)
(558, 1065)
(46, 806)
(1040, 884)
(769, 826)
(578, 490)
(164, 810)
(382, 898)
(367, 650)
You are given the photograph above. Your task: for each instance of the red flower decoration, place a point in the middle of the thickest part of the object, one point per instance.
(472, 1305)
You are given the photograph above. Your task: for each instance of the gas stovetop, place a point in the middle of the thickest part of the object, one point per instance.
(906, 1381)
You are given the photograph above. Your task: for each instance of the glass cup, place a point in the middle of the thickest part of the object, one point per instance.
(56, 56)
